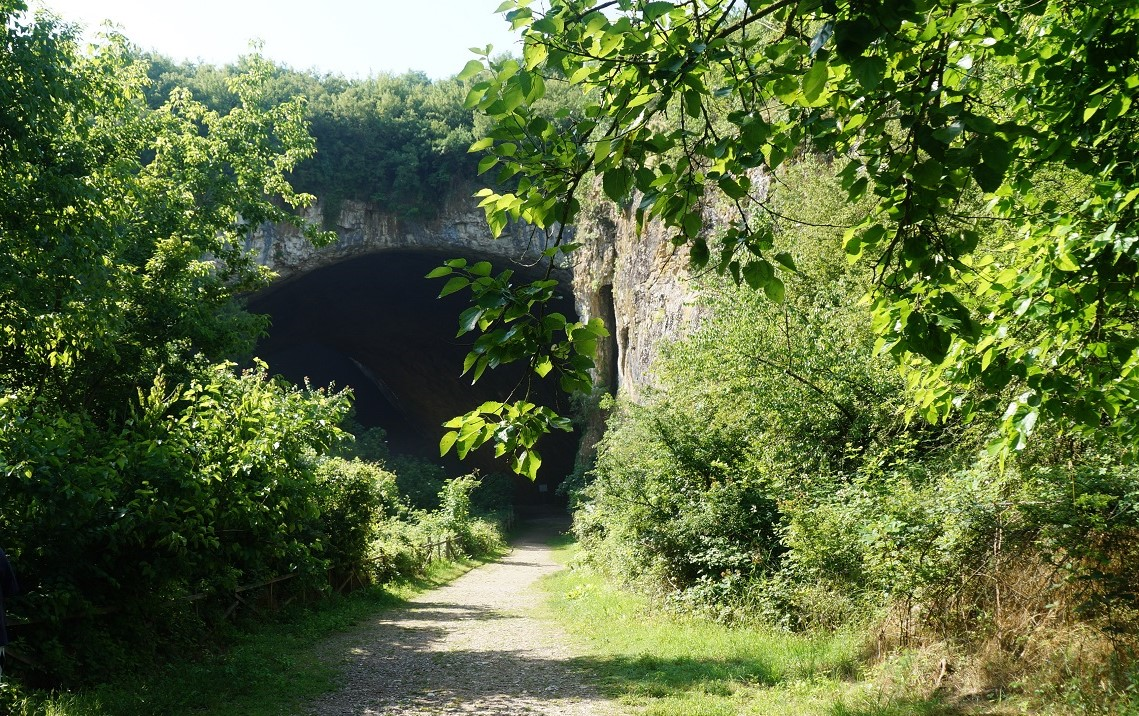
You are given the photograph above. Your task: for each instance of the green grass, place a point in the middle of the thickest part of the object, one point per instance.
(269, 668)
(661, 664)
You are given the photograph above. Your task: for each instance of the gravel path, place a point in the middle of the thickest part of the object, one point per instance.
(473, 646)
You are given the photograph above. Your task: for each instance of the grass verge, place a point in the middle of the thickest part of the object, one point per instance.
(660, 664)
(268, 668)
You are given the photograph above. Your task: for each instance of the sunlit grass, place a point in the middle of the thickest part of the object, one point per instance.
(660, 664)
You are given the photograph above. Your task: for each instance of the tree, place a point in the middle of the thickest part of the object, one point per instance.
(124, 228)
(136, 465)
(993, 141)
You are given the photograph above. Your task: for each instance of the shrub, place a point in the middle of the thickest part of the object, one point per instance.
(209, 485)
(354, 498)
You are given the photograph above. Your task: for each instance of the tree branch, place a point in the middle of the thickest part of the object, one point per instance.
(769, 10)
(845, 410)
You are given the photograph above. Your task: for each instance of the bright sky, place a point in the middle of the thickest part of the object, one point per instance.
(356, 38)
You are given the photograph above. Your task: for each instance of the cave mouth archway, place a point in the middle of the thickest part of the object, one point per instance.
(373, 323)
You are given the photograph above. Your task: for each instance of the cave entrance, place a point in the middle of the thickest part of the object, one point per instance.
(373, 323)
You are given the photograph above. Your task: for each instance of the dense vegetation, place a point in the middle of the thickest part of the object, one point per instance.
(397, 141)
(770, 477)
(143, 476)
(930, 444)
(936, 440)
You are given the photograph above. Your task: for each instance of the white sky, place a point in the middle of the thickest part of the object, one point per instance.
(356, 38)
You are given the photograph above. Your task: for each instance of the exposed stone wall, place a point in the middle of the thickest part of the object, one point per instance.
(645, 276)
(459, 229)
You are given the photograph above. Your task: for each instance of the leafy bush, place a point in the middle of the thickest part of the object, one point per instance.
(208, 485)
(752, 414)
(1085, 521)
(354, 498)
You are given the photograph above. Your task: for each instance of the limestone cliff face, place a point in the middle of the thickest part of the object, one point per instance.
(460, 229)
(639, 284)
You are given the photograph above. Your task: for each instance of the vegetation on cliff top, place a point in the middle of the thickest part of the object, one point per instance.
(397, 141)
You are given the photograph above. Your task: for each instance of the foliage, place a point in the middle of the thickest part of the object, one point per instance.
(123, 227)
(397, 141)
(771, 476)
(759, 404)
(262, 668)
(354, 497)
(210, 485)
(514, 325)
(1024, 107)
(137, 467)
(144, 477)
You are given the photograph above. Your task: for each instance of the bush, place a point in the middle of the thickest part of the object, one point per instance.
(760, 410)
(354, 498)
(209, 485)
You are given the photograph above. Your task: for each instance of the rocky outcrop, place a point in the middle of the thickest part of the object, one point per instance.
(459, 229)
(638, 282)
(324, 306)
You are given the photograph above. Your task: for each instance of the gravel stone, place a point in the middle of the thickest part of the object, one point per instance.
(473, 646)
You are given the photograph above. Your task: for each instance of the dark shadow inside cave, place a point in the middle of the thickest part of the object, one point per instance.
(374, 323)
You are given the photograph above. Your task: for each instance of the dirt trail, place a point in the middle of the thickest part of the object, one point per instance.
(473, 646)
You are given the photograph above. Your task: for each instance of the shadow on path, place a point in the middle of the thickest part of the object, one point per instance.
(469, 647)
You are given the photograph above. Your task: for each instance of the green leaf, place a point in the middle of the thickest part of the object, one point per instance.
(869, 71)
(814, 81)
(469, 319)
(758, 273)
(988, 177)
(617, 183)
(775, 289)
(486, 163)
(730, 187)
(440, 272)
(455, 283)
(785, 260)
(949, 132)
(481, 145)
(698, 254)
(447, 441)
(692, 222)
(543, 367)
(601, 150)
(471, 69)
(655, 10)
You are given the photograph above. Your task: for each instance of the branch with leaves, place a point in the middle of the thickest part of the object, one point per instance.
(928, 107)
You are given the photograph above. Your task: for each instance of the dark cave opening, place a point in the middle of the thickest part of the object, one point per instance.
(374, 324)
